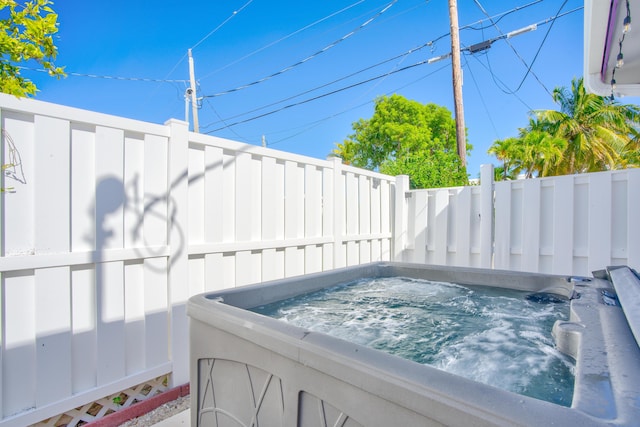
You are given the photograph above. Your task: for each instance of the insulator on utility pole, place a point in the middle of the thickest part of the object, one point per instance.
(461, 139)
(194, 97)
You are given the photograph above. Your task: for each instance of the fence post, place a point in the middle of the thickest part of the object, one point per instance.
(339, 256)
(400, 217)
(178, 268)
(486, 216)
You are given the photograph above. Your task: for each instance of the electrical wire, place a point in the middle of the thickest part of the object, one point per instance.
(430, 43)
(501, 82)
(306, 27)
(402, 55)
(305, 101)
(499, 16)
(313, 124)
(321, 51)
(484, 104)
(503, 36)
(529, 66)
(235, 12)
(496, 79)
(96, 76)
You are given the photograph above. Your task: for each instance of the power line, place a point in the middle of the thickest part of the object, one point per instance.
(428, 61)
(306, 27)
(499, 16)
(506, 37)
(235, 12)
(329, 83)
(96, 76)
(430, 43)
(305, 101)
(318, 122)
(323, 50)
(484, 104)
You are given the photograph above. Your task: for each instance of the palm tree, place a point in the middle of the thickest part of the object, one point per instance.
(601, 134)
(503, 149)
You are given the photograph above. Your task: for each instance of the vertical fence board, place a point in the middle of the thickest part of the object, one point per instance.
(516, 233)
(400, 219)
(580, 225)
(109, 188)
(546, 227)
(441, 226)
(228, 202)
(619, 219)
(156, 193)
(52, 185)
(83, 188)
(134, 317)
(375, 210)
(244, 198)
(633, 210)
(563, 214)
(312, 259)
(156, 312)
(214, 195)
(111, 333)
(293, 202)
(462, 224)
(133, 179)
(19, 352)
(213, 267)
(419, 202)
(84, 329)
(487, 220)
(248, 268)
(599, 221)
(312, 202)
(503, 226)
(53, 334)
(531, 205)
(339, 211)
(352, 215)
(364, 205)
(197, 196)
(18, 133)
(293, 261)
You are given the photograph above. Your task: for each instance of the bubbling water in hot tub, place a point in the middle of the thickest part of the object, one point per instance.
(495, 336)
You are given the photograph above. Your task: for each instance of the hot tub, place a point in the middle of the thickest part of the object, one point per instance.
(248, 369)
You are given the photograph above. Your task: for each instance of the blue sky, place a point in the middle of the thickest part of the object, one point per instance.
(238, 42)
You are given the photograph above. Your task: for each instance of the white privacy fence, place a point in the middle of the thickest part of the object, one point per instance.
(570, 225)
(110, 225)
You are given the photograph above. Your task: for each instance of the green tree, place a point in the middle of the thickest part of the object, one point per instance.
(588, 133)
(26, 34)
(406, 137)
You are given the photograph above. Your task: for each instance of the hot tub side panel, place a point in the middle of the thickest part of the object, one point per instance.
(248, 367)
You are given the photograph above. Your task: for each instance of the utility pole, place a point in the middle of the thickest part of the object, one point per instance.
(194, 97)
(461, 139)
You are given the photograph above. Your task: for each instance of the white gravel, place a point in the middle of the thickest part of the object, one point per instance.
(161, 413)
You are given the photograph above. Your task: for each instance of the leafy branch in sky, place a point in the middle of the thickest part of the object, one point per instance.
(26, 34)
(588, 133)
(409, 138)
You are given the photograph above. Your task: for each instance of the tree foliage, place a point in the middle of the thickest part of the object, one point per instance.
(26, 34)
(406, 137)
(588, 133)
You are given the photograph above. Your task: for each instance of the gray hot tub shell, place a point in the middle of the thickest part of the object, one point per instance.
(248, 369)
